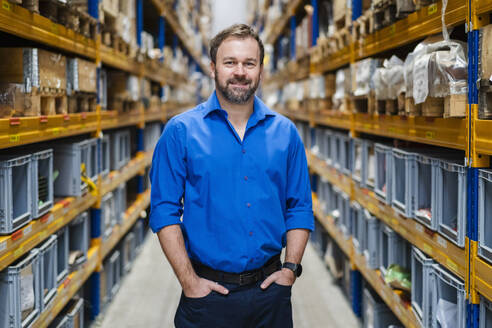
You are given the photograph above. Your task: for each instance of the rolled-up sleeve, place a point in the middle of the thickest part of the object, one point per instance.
(167, 176)
(299, 213)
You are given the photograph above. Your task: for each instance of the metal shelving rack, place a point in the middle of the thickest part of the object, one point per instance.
(470, 134)
(18, 21)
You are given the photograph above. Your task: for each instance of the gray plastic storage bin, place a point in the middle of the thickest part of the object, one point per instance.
(42, 182)
(139, 231)
(48, 257)
(451, 200)
(20, 290)
(376, 314)
(152, 133)
(369, 165)
(345, 156)
(120, 202)
(120, 149)
(62, 250)
(371, 233)
(358, 160)
(485, 214)
(105, 155)
(403, 183)
(317, 142)
(384, 166)
(15, 193)
(447, 288)
(355, 209)
(422, 267)
(78, 241)
(108, 215)
(76, 313)
(329, 199)
(336, 210)
(304, 132)
(358, 237)
(485, 313)
(114, 277)
(424, 191)
(336, 150)
(68, 158)
(344, 207)
(95, 154)
(326, 150)
(103, 89)
(127, 251)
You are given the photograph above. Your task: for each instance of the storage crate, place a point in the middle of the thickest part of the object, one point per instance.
(120, 202)
(334, 258)
(103, 88)
(484, 214)
(15, 193)
(68, 158)
(105, 155)
(358, 160)
(371, 233)
(20, 287)
(120, 149)
(76, 313)
(127, 251)
(424, 191)
(393, 249)
(447, 288)
(347, 278)
(62, 250)
(108, 215)
(305, 133)
(95, 166)
(114, 273)
(336, 209)
(318, 141)
(403, 183)
(42, 182)
(358, 237)
(336, 150)
(78, 241)
(383, 171)
(421, 280)
(375, 312)
(139, 231)
(369, 165)
(451, 200)
(345, 217)
(152, 133)
(346, 154)
(48, 263)
(326, 151)
(485, 313)
(355, 209)
(81, 76)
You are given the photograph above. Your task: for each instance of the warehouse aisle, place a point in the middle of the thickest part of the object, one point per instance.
(150, 293)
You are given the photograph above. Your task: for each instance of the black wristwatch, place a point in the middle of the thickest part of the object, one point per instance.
(296, 268)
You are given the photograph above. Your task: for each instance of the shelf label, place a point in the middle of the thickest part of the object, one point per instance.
(432, 9)
(3, 246)
(56, 131)
(6, 5)
(452, 265)
(430, 134)
(441, 241)
(28, 230)
(14, 138)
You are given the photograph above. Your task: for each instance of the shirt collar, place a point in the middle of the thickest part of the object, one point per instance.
(260, 110)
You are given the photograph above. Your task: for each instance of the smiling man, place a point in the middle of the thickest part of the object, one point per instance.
(236, 172)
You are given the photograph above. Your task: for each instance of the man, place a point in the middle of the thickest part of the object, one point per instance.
(239, 169)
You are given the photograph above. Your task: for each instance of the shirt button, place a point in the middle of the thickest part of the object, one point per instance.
(246, 178)
(248, 204)
(251, 233)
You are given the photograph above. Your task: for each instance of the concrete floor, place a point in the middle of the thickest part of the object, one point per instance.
(150, 293)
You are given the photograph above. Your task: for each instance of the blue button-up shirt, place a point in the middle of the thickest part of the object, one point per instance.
(239, 197)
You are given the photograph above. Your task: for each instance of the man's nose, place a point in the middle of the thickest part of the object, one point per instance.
(239, 69)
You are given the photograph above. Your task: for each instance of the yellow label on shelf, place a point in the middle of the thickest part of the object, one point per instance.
(6, 5)
(395, 222)
(452, 265)
(14, 138)
(432, 9)
(56, 131)
(27, 230)
(427, 249)
(430, 134)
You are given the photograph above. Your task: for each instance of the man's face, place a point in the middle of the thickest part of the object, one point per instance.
(237, 72)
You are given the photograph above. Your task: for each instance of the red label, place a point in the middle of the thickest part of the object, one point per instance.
(66, 117)
(17, 235)
(43, 119)
(14, 121)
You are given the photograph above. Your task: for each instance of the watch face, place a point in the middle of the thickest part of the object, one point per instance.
(299, 270)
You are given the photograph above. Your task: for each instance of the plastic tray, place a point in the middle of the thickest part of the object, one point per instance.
(127, 251)
(368, 165)
(48, 264)
(345, 217)
(358, 237)
(422, 267)
(62, 250)
(152, 133)
(371, 232)
(108, 215)
(358, 160)
(384, 168)
(105, 155)
(485, 313)
(120, 149)
(346, 154)
(484, 214)
(42, 182)
(402, 181)
(15, 193)
(120, 202)
(78, 241)
(336, 150)
(375, 312)
(424, 193)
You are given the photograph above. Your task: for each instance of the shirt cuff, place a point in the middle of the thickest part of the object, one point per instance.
(160, 218)
(300, 219)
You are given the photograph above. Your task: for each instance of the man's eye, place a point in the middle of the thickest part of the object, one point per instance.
(250, 64)
(229, 62)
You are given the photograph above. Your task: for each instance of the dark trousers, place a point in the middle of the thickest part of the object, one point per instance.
(244, 307)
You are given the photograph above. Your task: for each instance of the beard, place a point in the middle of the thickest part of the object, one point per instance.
(236, 96)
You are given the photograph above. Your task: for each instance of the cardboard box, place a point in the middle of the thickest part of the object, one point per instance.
(455, 105)
(486, 53)
(339, 9)
(81, 75)
(433, 107)
(411, 109)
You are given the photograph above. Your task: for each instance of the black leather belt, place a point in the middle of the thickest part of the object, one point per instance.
(244, 278)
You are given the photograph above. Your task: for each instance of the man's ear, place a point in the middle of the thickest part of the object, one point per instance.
(212, 70)
(261, 72)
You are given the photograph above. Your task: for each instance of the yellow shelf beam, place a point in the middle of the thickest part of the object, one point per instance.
(392, 298)
(21, 22)
(332, 62)
(483, 277)
(446, 253)
(483, 139)
(483, 7)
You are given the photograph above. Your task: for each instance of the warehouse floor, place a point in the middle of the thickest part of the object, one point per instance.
(150, 293)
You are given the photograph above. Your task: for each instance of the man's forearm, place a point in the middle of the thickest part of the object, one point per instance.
(296, 244)
(172, 243)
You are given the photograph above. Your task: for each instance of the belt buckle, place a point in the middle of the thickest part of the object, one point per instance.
(244, 276)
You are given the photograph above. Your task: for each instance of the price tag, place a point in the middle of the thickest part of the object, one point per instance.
(432, 9)
(430, 134)
(6, 5)
(27, 230)
(14, 138)
(56, 131)
(441, 241)
(3, 246)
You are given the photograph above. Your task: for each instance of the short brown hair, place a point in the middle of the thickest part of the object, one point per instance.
(241, 31)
